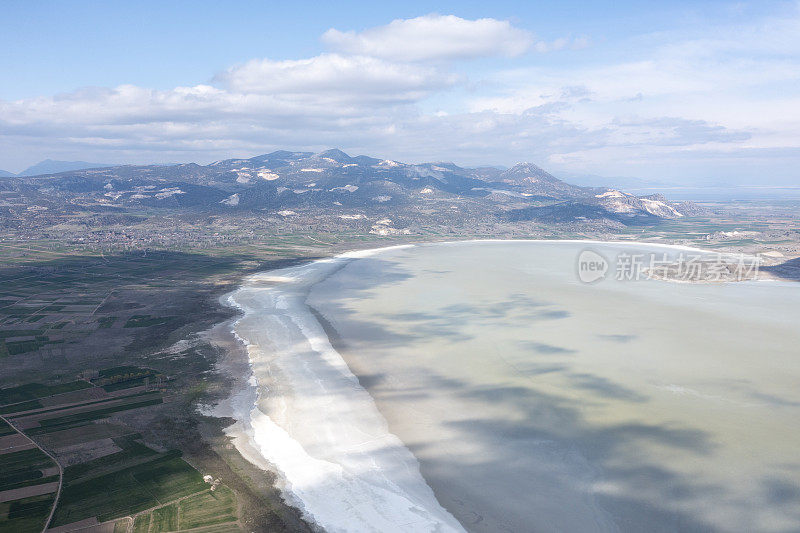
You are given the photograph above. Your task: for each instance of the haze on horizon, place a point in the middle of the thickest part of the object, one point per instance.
(690, 94)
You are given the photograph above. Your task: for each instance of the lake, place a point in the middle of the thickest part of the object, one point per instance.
(484, 386)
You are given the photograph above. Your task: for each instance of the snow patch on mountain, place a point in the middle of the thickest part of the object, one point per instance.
(231, 200)
(348, 188)
(267, 175)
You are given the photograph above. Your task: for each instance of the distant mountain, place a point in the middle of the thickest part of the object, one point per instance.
(537, 180)
(333, 185)
(617, 182)
(49, 166)
(6, 174)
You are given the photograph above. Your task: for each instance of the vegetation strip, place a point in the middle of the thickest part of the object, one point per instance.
(19, 414)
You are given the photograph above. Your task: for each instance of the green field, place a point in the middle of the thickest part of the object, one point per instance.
(40, 409)
(19, 407)
(208, 508)
(132, 452)
(66, 421)
(23, 469)
(26, 515)
(165, 519)
(5, 334)
(214, 511)
(19, 479)
(5, 429)
(142, 523)
(18, 347)
(33, 391)
(106, 322)
(219, 528)
(128, 490)
(170, 479)
(134, 479)
(16, 465)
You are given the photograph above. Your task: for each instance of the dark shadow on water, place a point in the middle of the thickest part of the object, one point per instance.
(788, 270)
(371, 380)
(545, 349)
(535, 369)
(605, 388)
(781, 491)
(773, 400)
(618, 338)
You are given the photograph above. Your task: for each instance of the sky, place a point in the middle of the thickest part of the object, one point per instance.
(692, 93)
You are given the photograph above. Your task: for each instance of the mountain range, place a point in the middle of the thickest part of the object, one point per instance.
(333, 183)
(50, 166)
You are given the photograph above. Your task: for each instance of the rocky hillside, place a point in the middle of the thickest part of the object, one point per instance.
(335, 184)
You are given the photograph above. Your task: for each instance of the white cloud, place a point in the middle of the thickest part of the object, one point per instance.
(731, 93)
(735, 88)
(336, 76)
(433, 37)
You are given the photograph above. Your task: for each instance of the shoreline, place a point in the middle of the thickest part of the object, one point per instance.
(360, 465)
(249, 448)
(261, 477)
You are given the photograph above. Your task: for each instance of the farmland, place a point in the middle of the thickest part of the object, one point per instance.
(108, 473)
(29, 479)
(215, 510)
(107, 386)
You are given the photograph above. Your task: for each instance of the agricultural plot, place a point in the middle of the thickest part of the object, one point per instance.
(165, 518)
(28, 482)
(77, 408)
(208, 512)
(106, 497)
(68, 438)
(33, 391)
(142, 523)
(108, 472)
(169, 478)
(25, 468)
(26, 515)
(19, 338)
(21, 406)
(131, 451)
(209, 508)
(50, 423)
(128, 490)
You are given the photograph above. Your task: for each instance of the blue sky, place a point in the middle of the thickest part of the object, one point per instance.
(679, 91)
